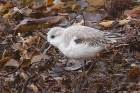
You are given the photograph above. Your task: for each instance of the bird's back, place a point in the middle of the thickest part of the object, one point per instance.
(85, 34)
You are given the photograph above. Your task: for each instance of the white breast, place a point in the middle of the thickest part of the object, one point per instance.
(80, 51)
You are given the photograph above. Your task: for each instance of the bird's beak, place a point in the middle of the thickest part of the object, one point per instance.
(48, 42)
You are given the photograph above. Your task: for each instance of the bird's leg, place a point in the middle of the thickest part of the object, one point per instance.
(92, 66)
(84, 65)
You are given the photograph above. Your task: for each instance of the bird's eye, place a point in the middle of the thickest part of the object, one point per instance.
(52, 36)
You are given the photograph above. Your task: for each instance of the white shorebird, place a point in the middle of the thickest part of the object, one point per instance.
(79, 42)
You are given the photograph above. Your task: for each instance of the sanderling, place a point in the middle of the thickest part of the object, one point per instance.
(79, 42)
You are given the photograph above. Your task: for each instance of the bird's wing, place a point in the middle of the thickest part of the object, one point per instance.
(93, 41)
(86, 35)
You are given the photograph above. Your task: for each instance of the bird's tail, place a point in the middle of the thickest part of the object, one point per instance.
(114, 36)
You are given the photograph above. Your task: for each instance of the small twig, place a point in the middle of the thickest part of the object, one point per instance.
(40, 87)
(74, 16)
(43, 47)
(47, 49)
(41, 35)
(24, 86)
(77, 14)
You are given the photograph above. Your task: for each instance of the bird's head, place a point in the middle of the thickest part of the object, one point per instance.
(54, 36)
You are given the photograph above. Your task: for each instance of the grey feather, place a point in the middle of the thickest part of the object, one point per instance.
(91, 36)
(93, 41)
